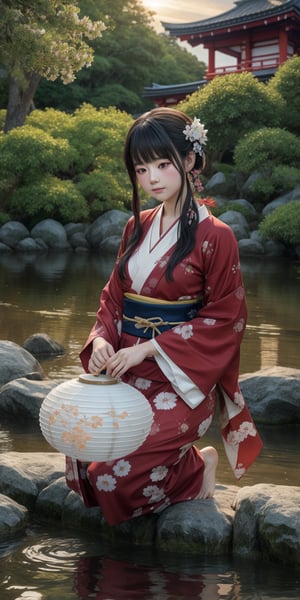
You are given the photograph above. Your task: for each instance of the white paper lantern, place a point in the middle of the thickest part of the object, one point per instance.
(102, 421)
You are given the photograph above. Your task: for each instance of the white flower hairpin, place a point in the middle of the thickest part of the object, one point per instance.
(196, 134)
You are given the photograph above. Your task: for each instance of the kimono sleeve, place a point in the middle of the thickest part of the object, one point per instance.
(207, 348)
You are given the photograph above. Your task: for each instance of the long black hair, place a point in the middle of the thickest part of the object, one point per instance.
(159, 134)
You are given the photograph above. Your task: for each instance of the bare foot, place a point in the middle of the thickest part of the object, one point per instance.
(210, 457)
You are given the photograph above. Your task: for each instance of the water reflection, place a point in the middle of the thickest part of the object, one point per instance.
(58, 294)
(61, 567)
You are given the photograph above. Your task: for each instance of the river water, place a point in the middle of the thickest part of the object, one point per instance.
(58, 294)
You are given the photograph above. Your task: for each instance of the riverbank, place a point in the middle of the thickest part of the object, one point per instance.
(254, 521)
(260, 521)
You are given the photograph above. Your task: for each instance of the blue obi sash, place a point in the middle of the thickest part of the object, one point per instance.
(147, 317)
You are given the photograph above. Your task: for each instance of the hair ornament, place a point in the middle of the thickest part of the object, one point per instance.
(196, 134)
(196, 181)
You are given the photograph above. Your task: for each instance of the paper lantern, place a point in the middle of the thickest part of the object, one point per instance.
(95, 418)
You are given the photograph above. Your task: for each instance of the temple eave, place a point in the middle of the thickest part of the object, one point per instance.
(200, 34)
(186, 30)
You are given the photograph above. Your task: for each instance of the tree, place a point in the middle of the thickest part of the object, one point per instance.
(41, 38)
(64, 166)
(286, 82)
(129, 56)
(231, 106)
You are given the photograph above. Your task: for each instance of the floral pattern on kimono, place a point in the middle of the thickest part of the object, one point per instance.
(197, 362)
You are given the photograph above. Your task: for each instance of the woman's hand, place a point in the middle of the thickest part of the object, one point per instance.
(102, 351)
(126, 358)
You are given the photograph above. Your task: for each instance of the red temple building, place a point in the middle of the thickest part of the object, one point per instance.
(260, 35)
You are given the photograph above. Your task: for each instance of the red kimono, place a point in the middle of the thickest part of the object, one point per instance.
(198, 363)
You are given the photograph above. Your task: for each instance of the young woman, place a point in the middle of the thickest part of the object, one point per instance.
(170, 323)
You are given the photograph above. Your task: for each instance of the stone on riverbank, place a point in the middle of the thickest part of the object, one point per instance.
(260, 520)
(273, 395)
(41, 344)
(16, 362)
(104, 234)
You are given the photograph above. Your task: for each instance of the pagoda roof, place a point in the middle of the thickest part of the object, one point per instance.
(157, 90)
(245, 11)
(183, 88)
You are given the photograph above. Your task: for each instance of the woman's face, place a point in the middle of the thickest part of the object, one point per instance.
(159, 179)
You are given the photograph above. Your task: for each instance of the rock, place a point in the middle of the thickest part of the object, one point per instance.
(281, 200)
(273, 395)
(110, 223)
(12, 232)
(261, 520)
(104, 234)
(41, 344)
(78, 240)
(72, 228)
(22, 398)
(246, 188)
(240, 232)
(267, 522)
(110, 244)
(217, 184)
(13, 517)
(199, 526)
(273, 248)
(4, 249)
(24, 475)
(250, 247)
(28, 244)
(234, 217)
(246, 204)
(16, 362)
(52, 233)
(237, 222)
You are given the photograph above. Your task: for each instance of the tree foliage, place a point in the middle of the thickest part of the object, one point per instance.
(231, 106)
(41, 38)
(286, 82)
(129, 56)
(283, 224)
(67, 167)
(266, 148)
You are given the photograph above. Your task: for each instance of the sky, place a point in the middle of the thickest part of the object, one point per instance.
(174, 11)
(185, 11)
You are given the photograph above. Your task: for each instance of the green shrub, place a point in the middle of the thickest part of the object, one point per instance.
(84, 154)
(231, 106)
(99, 134)
(220, 210)
(279, 181)
(26, 152)
(4, 218)
(286, 82)
(2, 118)
(266, 148)
(54, 122)
(48, 197)
(103, 190)
(283, 224)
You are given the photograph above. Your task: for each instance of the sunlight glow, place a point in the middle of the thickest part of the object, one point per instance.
(190, 10)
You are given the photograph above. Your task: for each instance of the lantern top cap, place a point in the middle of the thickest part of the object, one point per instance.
(97, 379)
